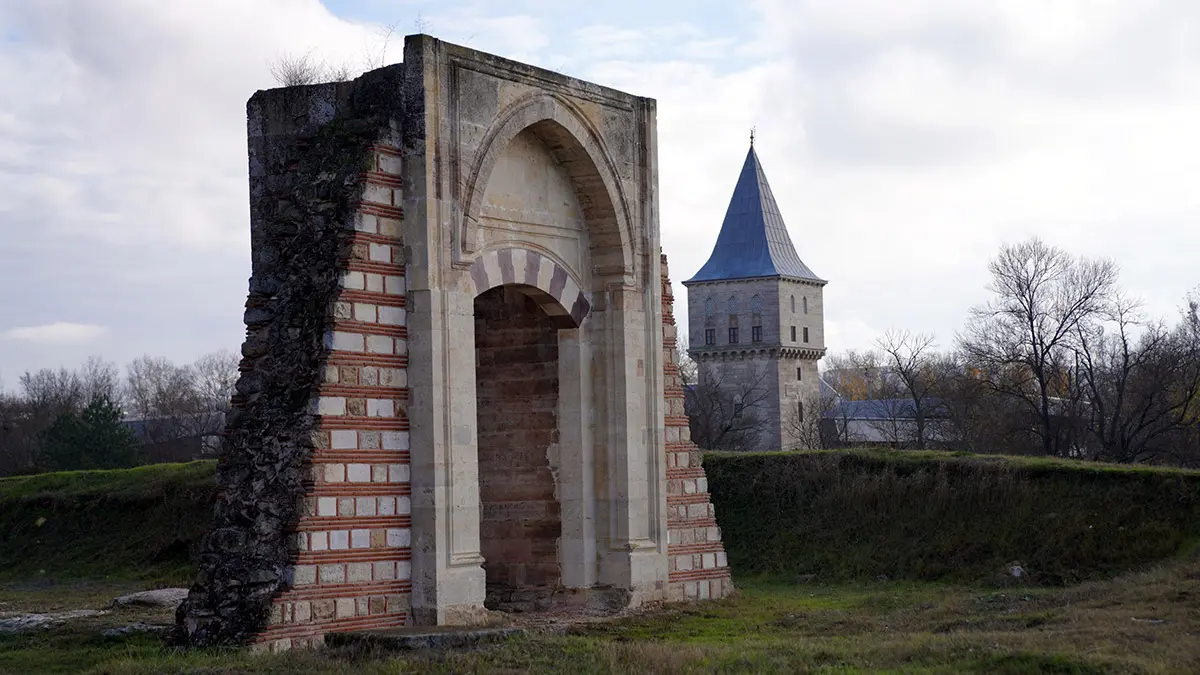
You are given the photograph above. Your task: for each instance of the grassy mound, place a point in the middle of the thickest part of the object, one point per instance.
(936, 516)
(139, 523)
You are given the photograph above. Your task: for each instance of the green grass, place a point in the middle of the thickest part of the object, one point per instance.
(1137, 623)
(142, 523)
(952, 517)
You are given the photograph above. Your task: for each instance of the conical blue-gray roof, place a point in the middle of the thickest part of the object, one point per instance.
(753, 242)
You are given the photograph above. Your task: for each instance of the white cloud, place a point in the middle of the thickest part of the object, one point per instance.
(57, 333)
(904, 142)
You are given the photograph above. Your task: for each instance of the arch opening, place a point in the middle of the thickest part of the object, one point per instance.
(517, 404)
(579, 156)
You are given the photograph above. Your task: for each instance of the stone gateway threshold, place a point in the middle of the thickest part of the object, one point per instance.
(458, 393)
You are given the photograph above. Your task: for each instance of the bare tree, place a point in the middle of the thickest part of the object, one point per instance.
(685, 362)
(216, 373)
(910, 357)
(859, 375)
(811, 423)
(727, 416)
(1139, 390)
(1024, 336)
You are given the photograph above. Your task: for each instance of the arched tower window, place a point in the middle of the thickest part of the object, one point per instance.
(756, 319)
(710, 311)
(805, 299)
(731, 308)
(793, 303)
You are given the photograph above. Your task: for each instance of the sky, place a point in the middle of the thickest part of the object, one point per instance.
(905, 143)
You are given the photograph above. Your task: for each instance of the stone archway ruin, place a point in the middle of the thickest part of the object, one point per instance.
(457, 387)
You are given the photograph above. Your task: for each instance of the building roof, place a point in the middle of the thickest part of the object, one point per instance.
(884, 409)
(754, 241)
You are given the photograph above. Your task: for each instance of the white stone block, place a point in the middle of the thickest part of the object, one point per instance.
(319, 541)
(347, 342)
(381, 407)
(395, 285)
(398, 473)
(374, 282)
(395, 440)
(358, 572)
(379, 473)
(703, 590)
(377, 194)
(393, 377)
(364, 222)
(358, 473)
(709, 561)
(404, 570)
(365, 506)
(331, 405)
(303, 575)
(335, 473)
(332, 574)
(391, 316)
(399, 538)
(403, 505)
(326, 506)
(360, 539)
(683, 563)
(345, 607)
(343, 439)
(381, 253)
(380, 344)
(339, 540)
(721, 560)
(365, 312)
(385, 570)
(390, 227)
(387, 506)
(353, 279)
(702, 485)
(389, 163)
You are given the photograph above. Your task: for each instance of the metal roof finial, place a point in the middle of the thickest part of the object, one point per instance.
(752, 137)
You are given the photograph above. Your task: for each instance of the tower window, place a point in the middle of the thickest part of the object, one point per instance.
(799, 373)
(793, 333)
(710, 336)
(733, 336)
(756, 333)
(805, 299)
(806, 333)
(793, 303)
(800, 410)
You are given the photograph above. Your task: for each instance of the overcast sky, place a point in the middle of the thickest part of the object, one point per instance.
(904, 141)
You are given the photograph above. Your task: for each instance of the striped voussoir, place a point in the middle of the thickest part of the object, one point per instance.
(542, 279)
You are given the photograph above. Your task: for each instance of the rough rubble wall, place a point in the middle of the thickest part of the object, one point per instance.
(697, 565)
(516, 376)
(304, 539)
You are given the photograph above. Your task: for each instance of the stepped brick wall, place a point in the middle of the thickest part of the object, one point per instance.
(352, 565)
(697, 564)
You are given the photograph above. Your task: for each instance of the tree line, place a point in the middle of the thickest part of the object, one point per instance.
(1059, 361)
(95, 417)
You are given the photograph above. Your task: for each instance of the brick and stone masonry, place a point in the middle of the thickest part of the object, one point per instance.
(458, 389)
(698, 567)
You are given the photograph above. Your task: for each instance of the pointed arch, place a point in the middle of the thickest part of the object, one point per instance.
(577, 147)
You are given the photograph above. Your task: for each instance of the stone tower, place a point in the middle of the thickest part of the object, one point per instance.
(756, 321)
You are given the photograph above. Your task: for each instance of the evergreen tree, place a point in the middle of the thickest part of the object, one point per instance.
(91, 439)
